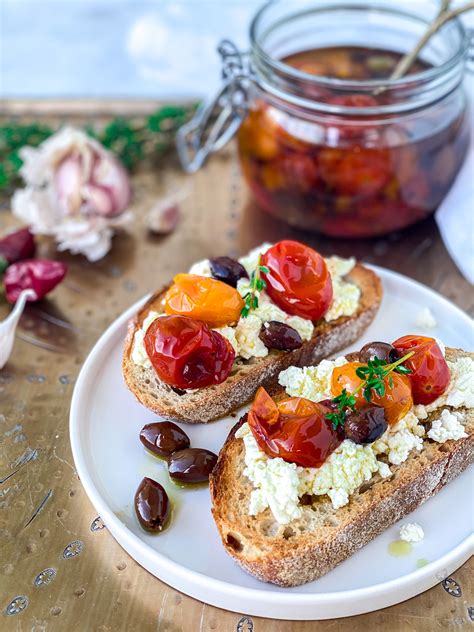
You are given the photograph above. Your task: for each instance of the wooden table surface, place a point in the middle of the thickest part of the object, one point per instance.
(60, 569)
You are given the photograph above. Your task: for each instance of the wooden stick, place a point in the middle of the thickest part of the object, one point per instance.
(443, 16)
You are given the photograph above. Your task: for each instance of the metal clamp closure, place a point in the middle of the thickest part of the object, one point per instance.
(216, 122)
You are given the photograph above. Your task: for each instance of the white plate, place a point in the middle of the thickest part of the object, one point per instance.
(110, 460)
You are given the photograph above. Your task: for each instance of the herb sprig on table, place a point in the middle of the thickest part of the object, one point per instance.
(372, 376)
(257, 284)
(133, 140)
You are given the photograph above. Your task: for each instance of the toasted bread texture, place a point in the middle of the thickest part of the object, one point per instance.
(309, 547)
(212, 402)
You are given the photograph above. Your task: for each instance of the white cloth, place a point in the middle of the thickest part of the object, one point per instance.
(455, 216)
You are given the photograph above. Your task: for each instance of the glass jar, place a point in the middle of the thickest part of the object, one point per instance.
(346, 157)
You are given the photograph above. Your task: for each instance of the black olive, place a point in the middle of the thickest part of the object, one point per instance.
(152, 505)
(276, 335)
(227, 270)
(193, 465)
(365, 425)
(380, 350)
(164, 438)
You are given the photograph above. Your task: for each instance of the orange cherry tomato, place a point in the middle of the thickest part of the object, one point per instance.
(396, 401)
(298, 280)
(295, 429)
(430, 372)
(211, 301)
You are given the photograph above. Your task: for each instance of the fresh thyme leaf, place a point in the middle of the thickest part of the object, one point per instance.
(372, 379)
(257, 285)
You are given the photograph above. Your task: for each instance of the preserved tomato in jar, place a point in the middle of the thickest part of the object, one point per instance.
(327, 140)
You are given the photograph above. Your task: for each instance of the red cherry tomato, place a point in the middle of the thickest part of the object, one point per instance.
(396, 401)
(185, 353)
(430, 372)
(295, 429)
(298, 280)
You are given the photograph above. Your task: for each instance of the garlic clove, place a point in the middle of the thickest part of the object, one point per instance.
(163, 217)
(9, 325)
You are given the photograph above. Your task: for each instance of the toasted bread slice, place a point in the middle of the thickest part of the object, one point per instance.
(306, 548)
(209, 403)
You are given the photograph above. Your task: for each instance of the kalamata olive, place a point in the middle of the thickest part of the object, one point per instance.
(152, 505)
(164, 438)
(227, 270)
(380, 350)
(276, 335)
(365, 425)
(192, 465)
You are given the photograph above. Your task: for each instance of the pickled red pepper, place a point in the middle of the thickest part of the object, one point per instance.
(16, 246)
(39, 275)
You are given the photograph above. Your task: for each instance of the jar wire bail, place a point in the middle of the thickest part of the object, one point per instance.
(216, 122)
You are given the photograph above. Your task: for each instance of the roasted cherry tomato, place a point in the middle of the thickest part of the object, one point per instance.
(298, 280)
(357, 171)
(430, 372)
(396, 401)
(185, 353)
(203, 298)
(295, 429)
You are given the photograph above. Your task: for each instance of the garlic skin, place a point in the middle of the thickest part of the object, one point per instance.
(9, 325)
(76, 191)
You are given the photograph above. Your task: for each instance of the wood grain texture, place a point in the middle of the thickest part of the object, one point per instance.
(94, 585)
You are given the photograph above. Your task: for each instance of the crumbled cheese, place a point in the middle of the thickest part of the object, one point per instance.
(346, 295)
(311, 382)
(342, 473)
(279, 485)
(250, 261)
(411, 532)
(425, 319)
(139, 354)
(275, 481)
(400, 439)
(448, 426)
(201, 268)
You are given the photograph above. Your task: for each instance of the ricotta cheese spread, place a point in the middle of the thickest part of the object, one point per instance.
(244, 336)
(279, 485)
(139, 354)
(411, 532)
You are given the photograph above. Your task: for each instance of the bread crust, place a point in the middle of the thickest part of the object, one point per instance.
(289, 557)
(210, 403)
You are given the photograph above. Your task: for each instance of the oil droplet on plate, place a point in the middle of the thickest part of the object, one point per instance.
(421, 562)
(400, 548)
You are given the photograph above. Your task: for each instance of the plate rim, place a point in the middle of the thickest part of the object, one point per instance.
(424, 575)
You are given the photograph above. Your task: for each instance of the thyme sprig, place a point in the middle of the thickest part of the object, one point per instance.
(257, 284)
(132, 139)
(372, 376)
